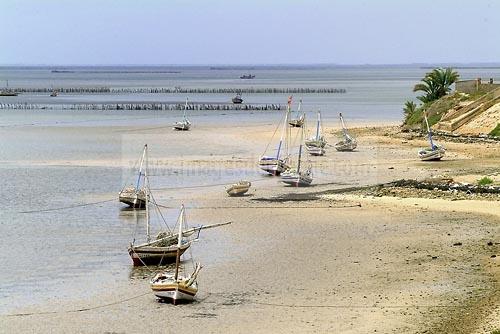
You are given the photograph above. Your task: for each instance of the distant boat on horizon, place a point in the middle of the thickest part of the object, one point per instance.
(247, 76)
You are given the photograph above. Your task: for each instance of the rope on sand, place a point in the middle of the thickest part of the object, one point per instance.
(83, 309)
(67, 207)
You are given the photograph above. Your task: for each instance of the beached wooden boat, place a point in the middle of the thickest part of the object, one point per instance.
(135, 196)
(296, 176)
(185, 124)
(164, 247)
(176, 287)
(237, 99)
(299, 120)
(278, 163)
(435, 151)
(239, 188)
(348, 142)
(316, 145)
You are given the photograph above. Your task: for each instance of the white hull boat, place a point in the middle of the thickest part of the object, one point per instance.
(272, 165)
(185, 124)
(348, 143)
(434, 152)
(298, 122)
(182, 125)
(277, 164)
(316, 151)
(316, 145)
(136, 197)
(175, 287)
(428, 154)
(297, 179)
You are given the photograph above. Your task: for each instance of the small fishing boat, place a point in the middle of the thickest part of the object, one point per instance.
(247, 76)
(348, 142)
(237, 99)
(298, 122)
(277, 164)
(316, 145)
(185, 124)
(165, 247)
(435, 151)
(54, 93)
(136, 196)
(176, 287)
(295, 176)
(7, 91)
(239, 188)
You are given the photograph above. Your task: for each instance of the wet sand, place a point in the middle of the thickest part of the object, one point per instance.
(325, 264)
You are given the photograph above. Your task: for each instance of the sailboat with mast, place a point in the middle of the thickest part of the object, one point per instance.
(277, 164)
(348, 142)
(136, 196)
(185, 124)
(316, 145)
(165, 247)
(297, 122)
(176, 287)
(435, 151)
(296, 176)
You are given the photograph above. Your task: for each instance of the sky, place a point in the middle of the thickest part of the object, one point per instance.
(155, 32)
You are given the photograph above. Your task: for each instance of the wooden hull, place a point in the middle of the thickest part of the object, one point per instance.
(297, 179)
(150, 255)
(182, 127)
(314, 150)
(175, 292)
(431, 155)
(344, 146)
(273, 166)
(238, 189)
(132, 198)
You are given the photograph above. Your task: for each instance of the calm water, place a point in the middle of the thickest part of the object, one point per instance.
(56, 254)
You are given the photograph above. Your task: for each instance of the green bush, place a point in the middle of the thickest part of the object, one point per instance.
(485, 181)
(496, 331)
(496, 132)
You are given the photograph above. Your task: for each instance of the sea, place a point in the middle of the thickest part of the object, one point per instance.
(63, 234)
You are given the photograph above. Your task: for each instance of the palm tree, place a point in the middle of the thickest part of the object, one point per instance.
(409, 108)
(436, 84)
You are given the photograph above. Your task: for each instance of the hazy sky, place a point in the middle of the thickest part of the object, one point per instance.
(248, 31)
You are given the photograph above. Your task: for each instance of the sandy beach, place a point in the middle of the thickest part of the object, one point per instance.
(305, 260)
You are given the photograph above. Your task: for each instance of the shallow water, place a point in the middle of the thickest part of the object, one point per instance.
(51, 254)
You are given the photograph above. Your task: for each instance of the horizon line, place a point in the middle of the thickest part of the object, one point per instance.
(264, 64)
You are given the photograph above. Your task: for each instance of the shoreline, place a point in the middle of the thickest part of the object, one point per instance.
(369, 266)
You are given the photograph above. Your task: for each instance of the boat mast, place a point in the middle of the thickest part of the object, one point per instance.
(298, 108)
(317, 125)
(140, 167)
(179, 243)
(300, 150)
(146, 188)
(429, 132)
(344, 129)
(283, 131)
